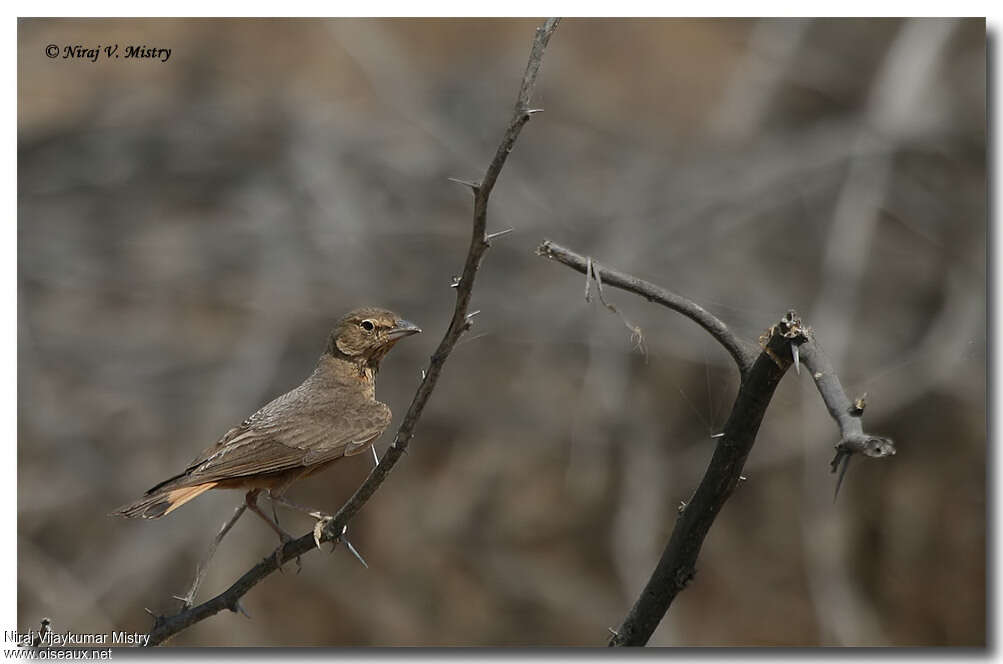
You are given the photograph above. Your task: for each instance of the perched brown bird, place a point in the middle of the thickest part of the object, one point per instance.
(333, 414)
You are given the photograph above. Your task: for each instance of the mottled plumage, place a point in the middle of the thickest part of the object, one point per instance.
(332, 414)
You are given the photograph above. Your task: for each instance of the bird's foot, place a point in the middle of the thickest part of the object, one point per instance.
(318, 531)
(318, 528)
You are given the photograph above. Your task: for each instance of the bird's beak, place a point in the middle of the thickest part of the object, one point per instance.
(402, 328)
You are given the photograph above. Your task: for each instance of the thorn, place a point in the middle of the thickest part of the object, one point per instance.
(351, 548)
(533, 111)
(455, 283)
(842, 474)
(422, 373)
(473, 338)
(859, 404)
(588, 279)
(376, 458)
(474, 186)
(797, 358)
(613, 631)
(471, 315)
(717, 435)
(239, 608)
(157, 619)
(742, 478)
(43, 631)
(491, 236)
(682, 507)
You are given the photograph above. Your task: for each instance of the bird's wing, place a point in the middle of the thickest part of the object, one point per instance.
(288, 434)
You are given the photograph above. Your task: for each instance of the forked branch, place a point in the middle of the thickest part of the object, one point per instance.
(786, 343)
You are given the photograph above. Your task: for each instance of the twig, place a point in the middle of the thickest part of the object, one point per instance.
(165, 627)
(847, 414)
(740, 350)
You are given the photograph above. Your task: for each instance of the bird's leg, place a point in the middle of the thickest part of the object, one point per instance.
(200, 571)
(322, 517)
(251, 499)
(318, 529)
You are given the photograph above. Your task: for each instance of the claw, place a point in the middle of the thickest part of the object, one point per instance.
(318, 528)
(318, 531)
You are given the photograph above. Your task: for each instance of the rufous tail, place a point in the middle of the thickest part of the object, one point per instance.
(156, 505)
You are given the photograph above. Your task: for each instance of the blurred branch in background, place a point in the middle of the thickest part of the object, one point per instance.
(783, 344)
(165, 627)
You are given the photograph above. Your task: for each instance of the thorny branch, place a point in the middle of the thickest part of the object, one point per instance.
(788, 342)
(165, 627)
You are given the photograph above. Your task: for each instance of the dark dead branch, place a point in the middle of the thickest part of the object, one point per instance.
(786, 343)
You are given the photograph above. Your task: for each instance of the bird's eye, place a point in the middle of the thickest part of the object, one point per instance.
(367, 325)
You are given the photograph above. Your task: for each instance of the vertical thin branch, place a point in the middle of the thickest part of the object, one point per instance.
(166, 627)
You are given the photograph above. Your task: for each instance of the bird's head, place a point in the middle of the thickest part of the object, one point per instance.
(366, 335)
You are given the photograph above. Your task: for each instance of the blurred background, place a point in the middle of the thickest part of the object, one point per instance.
(189, 231)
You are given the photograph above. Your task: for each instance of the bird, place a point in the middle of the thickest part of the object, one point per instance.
(332, 414)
